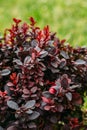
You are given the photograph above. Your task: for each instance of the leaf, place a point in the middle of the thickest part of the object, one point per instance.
(27, 60)
(62, 63)
(32, 125)
(25, 96)
(64, 81)
(50, 43)
(34, 43)
(26, 91)
(29, 111)
(76, 98)
(62, 41)
(43, 54)
(33, 89)
(69, 96)
(60, 108)
(54, 70)
(10, 84)
(43, 67)
(7, 89)
(54, 64)
(1, 128)
(30, 104)
(46, 94)
(46, 100)
(64, 54)
(47, 108)
(34, 116)
(12, 105)
(53, 119)
(12, 128)
(5, 72)
(58, 85)
(18, 62)
(66, 127)
(80, 62)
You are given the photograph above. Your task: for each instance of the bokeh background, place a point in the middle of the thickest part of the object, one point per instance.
(66, 17)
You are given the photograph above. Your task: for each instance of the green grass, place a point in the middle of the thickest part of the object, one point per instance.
(66, 17)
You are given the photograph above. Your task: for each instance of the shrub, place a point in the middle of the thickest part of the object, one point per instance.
(42, 80)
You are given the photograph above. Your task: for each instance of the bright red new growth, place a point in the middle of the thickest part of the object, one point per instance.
(52, 90)
(3, 94)
(17, 21)
(33, 22)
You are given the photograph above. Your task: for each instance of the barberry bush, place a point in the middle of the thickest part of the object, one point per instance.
(42, 80)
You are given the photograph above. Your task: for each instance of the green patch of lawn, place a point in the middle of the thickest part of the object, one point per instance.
(68, 18)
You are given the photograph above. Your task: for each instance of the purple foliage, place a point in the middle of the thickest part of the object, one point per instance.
(42, 80)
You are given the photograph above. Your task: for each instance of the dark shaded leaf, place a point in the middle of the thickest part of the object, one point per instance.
(32, 125)
(54, 70)
(18, 62)
(76, 98)
(12, 105)
(43, 67)
(34, 116)
(64, 54)
(1, 128)
(65, 127)
(12, 128)
(60, 108)
(53, 119)
(62, 63)
(7, 89)
(64, 81)
(27, 60)
(48, 127)
(54, 64)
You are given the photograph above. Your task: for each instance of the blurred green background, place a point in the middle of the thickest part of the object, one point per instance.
(66, 17)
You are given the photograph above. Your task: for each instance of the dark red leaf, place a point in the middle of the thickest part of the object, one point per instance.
(62, 41)
(77, 100)
(33, 22)
(64, 81)
(17, 21)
